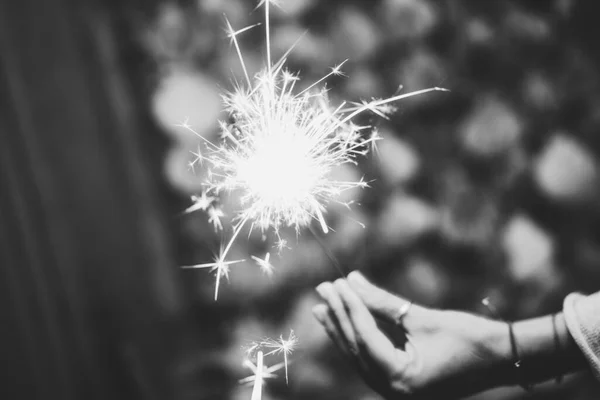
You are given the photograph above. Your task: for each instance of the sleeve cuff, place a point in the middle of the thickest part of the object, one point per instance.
(582, 315)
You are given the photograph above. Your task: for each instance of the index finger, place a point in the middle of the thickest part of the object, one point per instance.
(373, 344)
(383, 304)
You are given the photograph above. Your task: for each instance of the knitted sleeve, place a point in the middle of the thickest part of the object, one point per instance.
(582, 314)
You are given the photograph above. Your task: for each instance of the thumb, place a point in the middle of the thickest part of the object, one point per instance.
(380, 302)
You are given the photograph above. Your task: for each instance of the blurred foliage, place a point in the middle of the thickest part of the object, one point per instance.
(488, 191)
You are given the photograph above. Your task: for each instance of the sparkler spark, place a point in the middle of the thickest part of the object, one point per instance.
(281, 144)
(281, 244)
(283, 346)
(220, 267)
(265, 266)
(260, 370)
(267, 372)
(214, 217)
(260, 374)
(197, 158)
(202, 202)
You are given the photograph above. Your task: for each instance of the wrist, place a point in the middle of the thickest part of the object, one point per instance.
(497, 343)
(544, 347)
(528, 358)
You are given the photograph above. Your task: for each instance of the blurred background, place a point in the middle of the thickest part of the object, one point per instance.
(490, 190)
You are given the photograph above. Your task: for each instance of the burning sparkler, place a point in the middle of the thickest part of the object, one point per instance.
(281, 145)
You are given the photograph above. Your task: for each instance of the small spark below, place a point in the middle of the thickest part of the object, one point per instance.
(283, 346)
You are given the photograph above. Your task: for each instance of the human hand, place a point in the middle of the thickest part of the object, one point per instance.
(448, 354)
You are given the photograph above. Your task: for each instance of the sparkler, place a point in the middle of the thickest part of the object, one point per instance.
(281, 145)
(278, 150)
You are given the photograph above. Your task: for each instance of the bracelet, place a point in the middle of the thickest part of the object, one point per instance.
(518, 362)
(557, 344)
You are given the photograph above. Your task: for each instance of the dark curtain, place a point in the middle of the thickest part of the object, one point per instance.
(91, 302)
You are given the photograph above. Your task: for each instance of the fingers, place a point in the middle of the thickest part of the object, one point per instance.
(372, 343)
(382, 303)
(325, 316)
(327, 292)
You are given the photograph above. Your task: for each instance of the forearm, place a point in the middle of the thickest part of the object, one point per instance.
(540, 356)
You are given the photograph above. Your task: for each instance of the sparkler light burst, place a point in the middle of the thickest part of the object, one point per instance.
(281, 145)
(260, 371)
